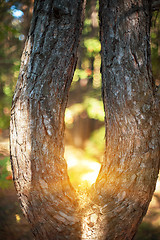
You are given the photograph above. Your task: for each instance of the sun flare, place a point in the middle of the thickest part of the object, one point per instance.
(82, 172)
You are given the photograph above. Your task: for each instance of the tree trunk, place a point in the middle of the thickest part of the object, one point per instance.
(123, 190)
(130, 169)
(37, 120)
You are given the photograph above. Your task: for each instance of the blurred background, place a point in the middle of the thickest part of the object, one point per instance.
(84, 135)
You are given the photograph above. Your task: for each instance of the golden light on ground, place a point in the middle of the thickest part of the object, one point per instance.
(82, 171)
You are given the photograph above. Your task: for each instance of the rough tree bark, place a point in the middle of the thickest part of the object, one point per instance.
(119, 199)
(37, 119)
(129, 172)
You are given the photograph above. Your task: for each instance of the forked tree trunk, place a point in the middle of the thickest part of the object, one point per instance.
(123, 190)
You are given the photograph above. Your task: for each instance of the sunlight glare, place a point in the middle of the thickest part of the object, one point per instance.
(82, 172)
(72, 162)
(91, 176)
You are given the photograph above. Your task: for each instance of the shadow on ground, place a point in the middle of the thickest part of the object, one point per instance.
(13, 225)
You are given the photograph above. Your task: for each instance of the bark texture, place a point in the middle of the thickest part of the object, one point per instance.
(37, 119)
(119, 199)
(129, 172)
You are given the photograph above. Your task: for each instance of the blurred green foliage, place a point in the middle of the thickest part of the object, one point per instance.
(94, 108)
(155, 45)
(86, 88)
(94, 147)
(4, 173)
(92, 46)
(5, 104)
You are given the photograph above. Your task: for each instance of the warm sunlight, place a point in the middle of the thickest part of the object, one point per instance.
(82, 172)
(91, 176)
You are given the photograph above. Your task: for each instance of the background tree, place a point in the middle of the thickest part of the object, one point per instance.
(43, 195)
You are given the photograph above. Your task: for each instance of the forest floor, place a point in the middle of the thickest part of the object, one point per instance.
(13, 225)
